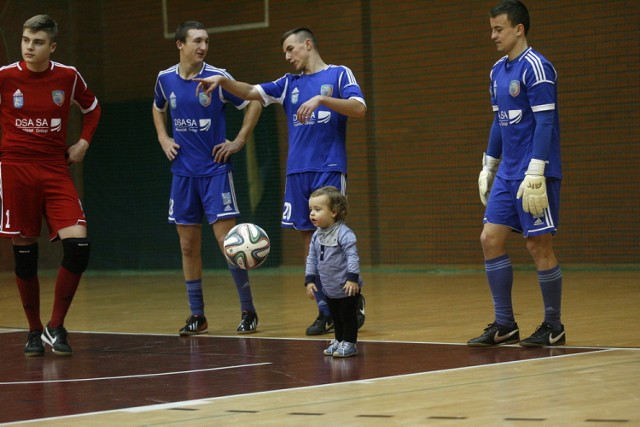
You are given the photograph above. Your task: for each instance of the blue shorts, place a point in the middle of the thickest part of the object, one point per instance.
(504, 209)
(193, 197)
(297, 189)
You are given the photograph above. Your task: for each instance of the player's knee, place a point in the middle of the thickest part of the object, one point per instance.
(76, 254)
(26, 258)
(486, 240)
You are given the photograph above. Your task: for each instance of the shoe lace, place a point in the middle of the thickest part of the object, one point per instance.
(542, 330)
(34, 337)
(491, 327)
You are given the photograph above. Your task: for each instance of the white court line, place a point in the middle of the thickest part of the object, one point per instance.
(122, 377)
(203, 401)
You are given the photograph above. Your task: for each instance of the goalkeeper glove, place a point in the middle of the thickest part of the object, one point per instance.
(533, 189)
(487, 174)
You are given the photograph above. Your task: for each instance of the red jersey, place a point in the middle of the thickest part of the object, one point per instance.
(34, 111)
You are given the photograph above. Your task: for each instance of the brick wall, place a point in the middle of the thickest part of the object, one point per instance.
(424, 68)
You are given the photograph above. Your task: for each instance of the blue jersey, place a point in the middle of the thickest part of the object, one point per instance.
(519, 88)
(198, 122)
(319, 145)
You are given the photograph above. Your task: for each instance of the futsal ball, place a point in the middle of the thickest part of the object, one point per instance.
(246, 246)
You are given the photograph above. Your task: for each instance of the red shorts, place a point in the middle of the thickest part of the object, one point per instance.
(31, 191)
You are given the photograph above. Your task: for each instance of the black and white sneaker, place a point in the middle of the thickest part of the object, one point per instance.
(34, 345)
(545, 335)
(361, 306)
(495, 334)
(322, 325)
(249, 322)
(57, 339)
(195, 325)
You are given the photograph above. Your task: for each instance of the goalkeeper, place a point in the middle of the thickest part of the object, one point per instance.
(520, 179)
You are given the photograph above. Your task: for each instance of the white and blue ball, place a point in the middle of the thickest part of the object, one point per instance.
(247, 246)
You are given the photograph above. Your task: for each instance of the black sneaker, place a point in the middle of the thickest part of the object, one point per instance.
(57, 339)
(249, 322)
(545, 335)
(195, 325)
(495, 334)
(34, 345)
(361, 304)
(321, 326)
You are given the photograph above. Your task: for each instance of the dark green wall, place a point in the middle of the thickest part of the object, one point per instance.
(127, 180)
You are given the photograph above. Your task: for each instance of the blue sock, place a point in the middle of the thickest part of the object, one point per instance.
(500, 277)
(194, 293)
(321, 299)
(241, 279)
(551, 287)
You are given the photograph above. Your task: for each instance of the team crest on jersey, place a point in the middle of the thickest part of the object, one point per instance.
(58, 97)
(514, 88)
(326, 90)
(205, 99)
(18, 99)
(294, 96)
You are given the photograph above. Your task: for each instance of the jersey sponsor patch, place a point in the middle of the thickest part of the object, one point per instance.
(294, 96)
(56, 125)
(324, 116)
(205, 125)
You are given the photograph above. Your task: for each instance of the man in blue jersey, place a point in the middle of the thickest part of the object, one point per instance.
(317, 101)
(202, 182)
(520, 179)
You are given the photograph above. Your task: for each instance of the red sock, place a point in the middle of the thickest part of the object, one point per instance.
(29, 290)
(66, 285)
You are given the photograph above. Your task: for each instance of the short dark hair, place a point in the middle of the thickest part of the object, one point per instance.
(516, 12)
(337, 200)
(302, 33)
(42, 23)
(183, 29)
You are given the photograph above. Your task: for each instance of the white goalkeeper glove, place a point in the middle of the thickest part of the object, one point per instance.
(533, 189)
(487, 174)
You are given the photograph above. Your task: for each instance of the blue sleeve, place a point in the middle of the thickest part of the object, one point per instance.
(494, 147)
(542, 134)
(275, 91)
(349, 87)
(159, 99)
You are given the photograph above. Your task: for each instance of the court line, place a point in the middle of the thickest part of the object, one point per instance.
(135, 376)
(207, 401)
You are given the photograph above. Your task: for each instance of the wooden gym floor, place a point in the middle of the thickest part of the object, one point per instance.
(130, 368)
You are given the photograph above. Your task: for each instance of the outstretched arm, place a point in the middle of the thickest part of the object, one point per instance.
(239, 89)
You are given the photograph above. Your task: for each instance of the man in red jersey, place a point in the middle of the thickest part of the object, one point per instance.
(35, 98)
